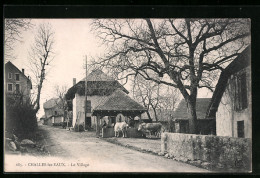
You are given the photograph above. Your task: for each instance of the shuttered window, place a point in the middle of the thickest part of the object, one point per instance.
(240, 89)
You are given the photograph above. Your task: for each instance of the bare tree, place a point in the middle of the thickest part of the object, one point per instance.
(146, 93)
(12, 34)
(187, 53)
(60, 92)
(41, 55)
(154, 96)
(168, 99)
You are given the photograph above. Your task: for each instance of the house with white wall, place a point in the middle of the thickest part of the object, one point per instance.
(231, 102)
(99, 87)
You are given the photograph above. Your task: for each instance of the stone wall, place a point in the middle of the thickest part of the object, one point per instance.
(210, 151)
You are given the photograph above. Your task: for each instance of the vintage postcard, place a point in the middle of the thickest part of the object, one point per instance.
(127, 95)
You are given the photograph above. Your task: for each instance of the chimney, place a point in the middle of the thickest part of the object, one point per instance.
(74, 81)
(23, 71)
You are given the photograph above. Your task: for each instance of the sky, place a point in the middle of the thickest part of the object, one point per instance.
(73, 41)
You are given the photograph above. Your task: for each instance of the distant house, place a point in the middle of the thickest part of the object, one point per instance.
(53, 112)
(181, 118)
(162, 115)
(231, 101)
(42, 118)
(100, 89)
(17, 84)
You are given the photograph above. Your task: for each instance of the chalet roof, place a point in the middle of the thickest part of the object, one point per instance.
(239, 63)
(98, 75)
(201, 108)
(10, 64)
(50, 103)
(98, 84)
(119, 101)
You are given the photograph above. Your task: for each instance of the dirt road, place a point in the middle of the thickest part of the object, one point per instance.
(83, 152)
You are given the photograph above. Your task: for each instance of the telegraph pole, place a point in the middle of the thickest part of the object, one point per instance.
(86, 98)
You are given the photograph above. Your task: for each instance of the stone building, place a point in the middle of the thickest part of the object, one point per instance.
(17, 84)
(231, 100)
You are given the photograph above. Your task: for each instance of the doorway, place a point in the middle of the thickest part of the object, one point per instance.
(87, 122)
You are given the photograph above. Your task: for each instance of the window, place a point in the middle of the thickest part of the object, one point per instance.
(55, 112)
(17, 87)
(240, 90)
(17, 77)
(240, 129)
(9, 75)
(9, 87)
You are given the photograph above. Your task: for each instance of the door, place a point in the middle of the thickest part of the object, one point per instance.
(87, 122)
(240, 129)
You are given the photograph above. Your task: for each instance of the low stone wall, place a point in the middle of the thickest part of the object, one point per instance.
(208, 151)
(130, 133)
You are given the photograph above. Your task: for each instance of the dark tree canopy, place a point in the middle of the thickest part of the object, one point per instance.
(185, 53)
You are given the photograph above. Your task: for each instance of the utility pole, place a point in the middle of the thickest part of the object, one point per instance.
(86, 98)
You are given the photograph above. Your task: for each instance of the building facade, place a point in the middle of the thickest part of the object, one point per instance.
(17, 84)
(232, 101)
(100, 88)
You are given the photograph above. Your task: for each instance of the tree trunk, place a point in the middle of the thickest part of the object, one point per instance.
(38, 97)
(149, 116)
(193, 117)
(155, 114)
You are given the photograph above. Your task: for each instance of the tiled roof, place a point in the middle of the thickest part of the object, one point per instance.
(201, 108)
(98, 75)
(98, 84)
(119, 101)
(50, 103)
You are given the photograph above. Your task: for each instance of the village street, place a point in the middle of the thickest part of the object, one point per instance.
(102, 156)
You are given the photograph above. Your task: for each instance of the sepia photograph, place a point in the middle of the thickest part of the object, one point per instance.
(167, 95)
